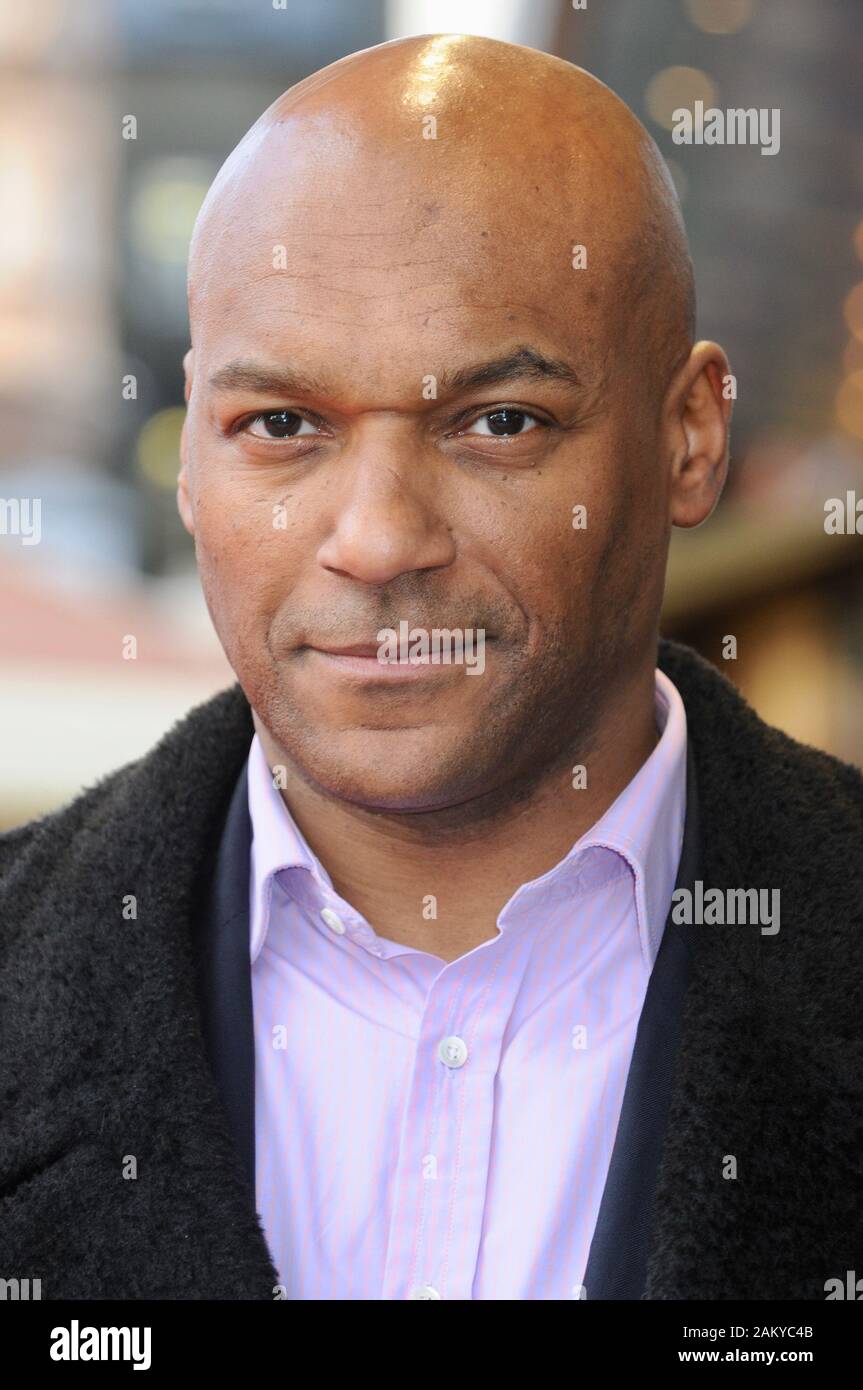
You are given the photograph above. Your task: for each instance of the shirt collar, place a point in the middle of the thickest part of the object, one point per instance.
(643, 827)
(277, 844)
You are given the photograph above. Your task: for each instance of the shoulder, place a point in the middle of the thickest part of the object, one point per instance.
(785, 819)
(754, 767)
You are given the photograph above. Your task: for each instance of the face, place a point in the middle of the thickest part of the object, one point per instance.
(343, 474)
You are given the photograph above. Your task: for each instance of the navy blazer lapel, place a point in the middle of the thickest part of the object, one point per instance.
(225, 978)
(617, 1263)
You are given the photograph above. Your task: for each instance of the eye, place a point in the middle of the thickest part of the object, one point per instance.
(278, 424)
(503, 422)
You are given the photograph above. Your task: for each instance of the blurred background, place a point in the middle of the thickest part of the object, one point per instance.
(114, 117)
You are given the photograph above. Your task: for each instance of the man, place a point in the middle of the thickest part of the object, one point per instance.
(524, 970)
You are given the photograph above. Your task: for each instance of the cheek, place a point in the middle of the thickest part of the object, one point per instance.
(244, 560)
(557, 550)
(583, 555)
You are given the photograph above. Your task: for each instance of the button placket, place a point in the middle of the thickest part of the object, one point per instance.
(436, 1222)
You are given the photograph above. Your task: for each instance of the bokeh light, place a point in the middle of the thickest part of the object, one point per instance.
(720, 16)
(677, 87)
(853, 310)
(158, 451)
(849, 404)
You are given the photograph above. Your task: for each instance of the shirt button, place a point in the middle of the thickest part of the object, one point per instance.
(453, 1052)
(423, 1291)
(333, 920)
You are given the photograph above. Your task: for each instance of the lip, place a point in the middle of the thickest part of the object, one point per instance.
(358, 649)
(362, 660)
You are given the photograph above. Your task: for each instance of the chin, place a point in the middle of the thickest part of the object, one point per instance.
(388, 770)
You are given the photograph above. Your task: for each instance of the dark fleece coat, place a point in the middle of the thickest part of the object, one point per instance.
(102, 1061)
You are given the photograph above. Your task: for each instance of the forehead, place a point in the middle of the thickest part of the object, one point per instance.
(326, 239)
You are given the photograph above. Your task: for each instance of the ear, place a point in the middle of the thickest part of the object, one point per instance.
(184, 501)
(697, 419)
(189, 369)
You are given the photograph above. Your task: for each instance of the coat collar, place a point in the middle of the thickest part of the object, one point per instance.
(758, 1191)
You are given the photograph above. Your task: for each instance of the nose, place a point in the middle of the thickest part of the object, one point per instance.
(388, 516)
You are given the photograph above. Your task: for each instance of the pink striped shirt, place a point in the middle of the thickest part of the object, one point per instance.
(428, 1129)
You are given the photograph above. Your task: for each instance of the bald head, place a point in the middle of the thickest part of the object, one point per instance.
(442, 374)
(470, 149)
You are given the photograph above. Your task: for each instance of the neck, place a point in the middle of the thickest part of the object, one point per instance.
(438, 880)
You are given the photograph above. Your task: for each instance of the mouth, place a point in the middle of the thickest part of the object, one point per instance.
(364, 649)
(361, 659)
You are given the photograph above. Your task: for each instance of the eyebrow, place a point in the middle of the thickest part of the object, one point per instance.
(245, 375)
(523, 362)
